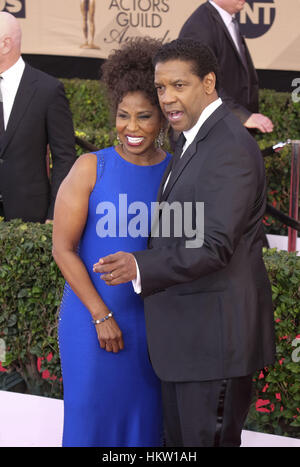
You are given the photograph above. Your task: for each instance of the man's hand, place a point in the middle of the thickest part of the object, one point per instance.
(261, 122)
(116, 269)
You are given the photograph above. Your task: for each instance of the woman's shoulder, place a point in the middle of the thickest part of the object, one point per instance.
(89, 166)
(86, 162)
(93, 156)
(84, 170)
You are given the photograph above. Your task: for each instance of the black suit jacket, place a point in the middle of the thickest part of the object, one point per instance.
(40, 116)
(209, 309)
(238, 85)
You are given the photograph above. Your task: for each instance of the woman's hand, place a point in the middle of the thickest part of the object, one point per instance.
(110, 336)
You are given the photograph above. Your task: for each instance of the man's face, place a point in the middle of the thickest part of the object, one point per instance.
(181, 93)
(232, 6)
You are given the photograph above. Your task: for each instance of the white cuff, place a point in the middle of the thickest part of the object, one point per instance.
(136, 283)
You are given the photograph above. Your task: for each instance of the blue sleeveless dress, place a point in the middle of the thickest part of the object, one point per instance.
(111, 400)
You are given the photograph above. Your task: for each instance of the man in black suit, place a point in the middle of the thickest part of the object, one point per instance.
(34, 113)
(214, 24)
(207, 296)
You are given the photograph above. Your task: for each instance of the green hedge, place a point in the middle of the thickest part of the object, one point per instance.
(279, 386)
(90, 111)
(88, 103)
(89, 106)
(30, 291)
(286, 117)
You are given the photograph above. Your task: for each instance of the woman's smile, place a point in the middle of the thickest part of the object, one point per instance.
(135, 140)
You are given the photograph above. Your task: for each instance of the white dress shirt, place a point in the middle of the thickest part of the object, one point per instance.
(227, 19)
(190, 135)
(9, 86)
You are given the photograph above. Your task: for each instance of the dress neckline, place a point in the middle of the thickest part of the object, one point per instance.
(137, 165)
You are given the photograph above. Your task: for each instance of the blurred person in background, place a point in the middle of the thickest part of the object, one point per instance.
(34, 113)
(214, 24)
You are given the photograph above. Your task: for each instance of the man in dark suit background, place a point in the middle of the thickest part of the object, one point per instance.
(33, 114)
(214, 24)
(207, 298)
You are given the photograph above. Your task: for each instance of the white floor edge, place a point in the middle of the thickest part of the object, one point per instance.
(32, 421)
(281, 242)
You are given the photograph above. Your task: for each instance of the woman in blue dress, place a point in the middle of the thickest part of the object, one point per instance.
(111, 395)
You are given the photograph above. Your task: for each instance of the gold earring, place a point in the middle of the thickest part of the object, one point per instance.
(160, 139)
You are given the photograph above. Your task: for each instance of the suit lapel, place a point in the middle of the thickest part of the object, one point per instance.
(164, 179)
(192, 149)
(218, 18)
(25, 93)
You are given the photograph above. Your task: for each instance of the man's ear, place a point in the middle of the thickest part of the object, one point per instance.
(6, 44)
(209, 83)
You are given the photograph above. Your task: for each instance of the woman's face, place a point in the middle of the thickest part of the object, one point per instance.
(138, 124)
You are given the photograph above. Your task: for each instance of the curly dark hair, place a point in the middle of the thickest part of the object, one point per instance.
(189, 50)
(130, 69)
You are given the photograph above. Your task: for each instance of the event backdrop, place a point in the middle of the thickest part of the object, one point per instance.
(91, 28)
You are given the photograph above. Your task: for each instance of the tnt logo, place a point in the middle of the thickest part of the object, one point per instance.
(257, 17)
(15, 7)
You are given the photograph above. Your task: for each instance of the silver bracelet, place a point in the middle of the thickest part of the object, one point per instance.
(99, 321)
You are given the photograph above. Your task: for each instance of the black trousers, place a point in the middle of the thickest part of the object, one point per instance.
(206, 413)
